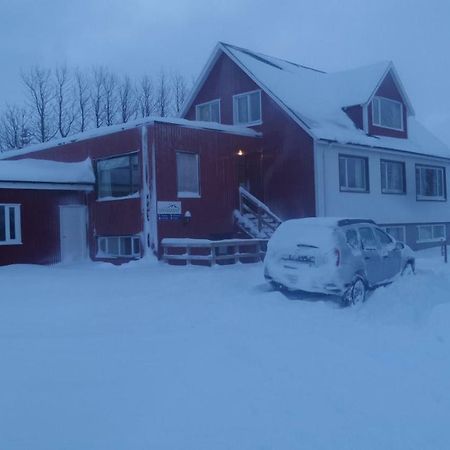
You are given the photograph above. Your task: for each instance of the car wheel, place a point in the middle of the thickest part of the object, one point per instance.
(356, 293)
(408, 269)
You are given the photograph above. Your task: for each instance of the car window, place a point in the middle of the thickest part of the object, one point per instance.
(351, 236)
(367, 237)
(384, 238)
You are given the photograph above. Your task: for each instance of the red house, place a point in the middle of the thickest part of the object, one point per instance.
(262, 140)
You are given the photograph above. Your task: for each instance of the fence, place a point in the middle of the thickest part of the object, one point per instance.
(206, 252)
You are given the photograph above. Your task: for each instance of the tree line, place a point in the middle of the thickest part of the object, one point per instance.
(61, 101)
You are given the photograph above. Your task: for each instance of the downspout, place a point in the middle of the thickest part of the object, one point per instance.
(145, 196)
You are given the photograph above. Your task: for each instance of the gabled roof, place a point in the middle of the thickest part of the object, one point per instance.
(316, 99)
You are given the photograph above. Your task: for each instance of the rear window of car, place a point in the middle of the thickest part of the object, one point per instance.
(367, 237)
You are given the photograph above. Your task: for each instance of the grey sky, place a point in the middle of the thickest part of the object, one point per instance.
(138, 36)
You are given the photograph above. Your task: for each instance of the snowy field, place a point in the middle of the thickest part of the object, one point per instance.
(148, 356)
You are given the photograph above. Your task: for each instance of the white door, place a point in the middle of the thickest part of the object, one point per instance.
(73, 221)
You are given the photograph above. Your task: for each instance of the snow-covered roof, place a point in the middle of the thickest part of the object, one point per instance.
(316, 100)
(146, 121)
(43, 171)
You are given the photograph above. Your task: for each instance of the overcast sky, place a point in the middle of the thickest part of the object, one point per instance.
(140, 36)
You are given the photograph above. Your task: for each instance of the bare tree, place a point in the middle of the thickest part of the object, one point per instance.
(146, 97)
(163, 95)
(110, 105)
(14, 128)
(97, 96)
(127, 99)
(179, 89)
(40, 93)
(81, 100)
(64, 100)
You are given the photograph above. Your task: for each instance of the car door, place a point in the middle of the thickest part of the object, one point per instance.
(390, 254)
(371, 255)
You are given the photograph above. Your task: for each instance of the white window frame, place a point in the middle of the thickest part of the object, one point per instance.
(235, 110)
(397, 227)
(106, 254)
(366, 168)
(186, 194)
(386, 190)
(17, 221)
(420, 196)
(433, 227)
(209, 104)
(376, 121)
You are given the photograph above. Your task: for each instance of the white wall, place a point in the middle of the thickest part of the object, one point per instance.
(383, 208)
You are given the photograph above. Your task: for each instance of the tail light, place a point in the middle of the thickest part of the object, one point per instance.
(337, 254)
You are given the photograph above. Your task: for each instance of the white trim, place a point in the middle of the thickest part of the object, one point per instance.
(432, 239)
(366, 174)
(378, 124)
(419, 195)
(108, 255)
(17, 222)
(186, 194)
(210, 103)
(386, 190)
(45, 186)
(235, 110)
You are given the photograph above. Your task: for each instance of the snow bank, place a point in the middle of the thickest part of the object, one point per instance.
(42, 171)
(149, 356)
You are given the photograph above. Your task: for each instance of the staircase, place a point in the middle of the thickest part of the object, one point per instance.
(254, 217)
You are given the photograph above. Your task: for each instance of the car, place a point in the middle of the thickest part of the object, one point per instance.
(339, 256)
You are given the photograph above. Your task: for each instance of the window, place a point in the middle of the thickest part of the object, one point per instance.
(431, 233)
(368, 238)
(10, 230)
(387, 113)
(247, 108)
(430, 183)
(188, 184)
(208, 112)
(392, 177)
(352, 239)
(119, 246)
(384, 238)
(353, 174)
(118, 176)
(397, 232)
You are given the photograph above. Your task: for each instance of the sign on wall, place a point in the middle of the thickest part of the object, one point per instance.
(169, 210)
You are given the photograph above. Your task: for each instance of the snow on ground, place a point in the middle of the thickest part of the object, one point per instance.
(149, 356)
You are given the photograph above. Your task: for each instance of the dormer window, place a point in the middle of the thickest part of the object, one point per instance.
(387, 113)
(208, 112)
(247, 108)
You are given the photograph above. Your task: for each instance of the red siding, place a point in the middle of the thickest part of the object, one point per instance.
(356, 114)
(388, 89)
(212, 214)
(288, 152)
(40, 225)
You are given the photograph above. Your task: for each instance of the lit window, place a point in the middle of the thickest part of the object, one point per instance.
(208, 112)
(188, 184)
(387, 113)
(431, 233)
(353, 174)
(397, 232)
(392, 177)
(118, 177)
(247, 108)
(118, 247)
(430, 183)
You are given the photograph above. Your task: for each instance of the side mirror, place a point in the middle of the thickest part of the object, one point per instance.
(399, 245)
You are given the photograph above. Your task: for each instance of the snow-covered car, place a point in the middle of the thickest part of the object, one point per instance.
(344, 257)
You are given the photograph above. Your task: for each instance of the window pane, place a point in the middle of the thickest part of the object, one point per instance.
(367, 238)
(113, 246)
(383, 176)
(2, 223)
(136, 246)
(255, 107)
(390, 113)
(342, 173)
(215, 112)
(125, 246)
(102, 245)
(438, 232)
(203, 113)
(376, 111)
(242, 109)
(425, 233)
(12, 223)
(187, 173)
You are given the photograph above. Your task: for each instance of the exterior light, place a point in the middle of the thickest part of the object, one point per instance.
(187, 217)
(240, 152)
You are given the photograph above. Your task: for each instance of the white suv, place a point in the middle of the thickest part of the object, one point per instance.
(344, 257)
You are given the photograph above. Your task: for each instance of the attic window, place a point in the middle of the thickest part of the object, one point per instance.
(247, 108)
(208, 112)
(387, 113)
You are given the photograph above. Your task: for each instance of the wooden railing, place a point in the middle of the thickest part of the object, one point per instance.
(265, 218)
(206, 252)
